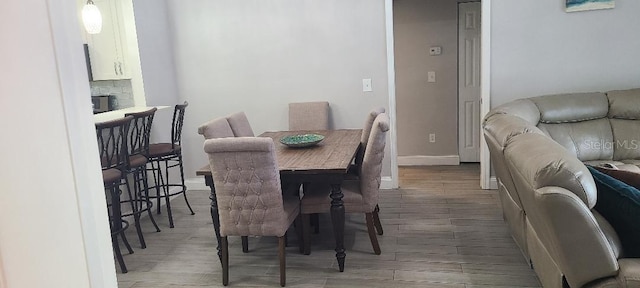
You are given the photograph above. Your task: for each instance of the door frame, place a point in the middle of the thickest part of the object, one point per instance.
(485, 87)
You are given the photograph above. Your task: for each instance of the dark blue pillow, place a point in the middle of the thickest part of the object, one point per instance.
(619, 203)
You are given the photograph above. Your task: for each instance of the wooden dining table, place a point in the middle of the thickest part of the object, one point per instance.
(326, 162)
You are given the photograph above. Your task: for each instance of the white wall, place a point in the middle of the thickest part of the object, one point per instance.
(538, 49)
(257, 56)
(424, 107)
(157, 64)
(53, 221)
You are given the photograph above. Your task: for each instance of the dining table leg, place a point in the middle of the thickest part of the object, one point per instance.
(214, 212)
(337, 219)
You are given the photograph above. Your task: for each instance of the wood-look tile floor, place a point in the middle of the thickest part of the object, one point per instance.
(440, 230)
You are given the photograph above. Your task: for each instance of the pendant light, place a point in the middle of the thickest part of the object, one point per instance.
(91, 18)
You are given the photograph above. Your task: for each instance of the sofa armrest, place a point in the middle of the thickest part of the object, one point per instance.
(573, 237)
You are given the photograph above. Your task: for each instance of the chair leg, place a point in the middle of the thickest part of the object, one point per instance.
(376, 220)
(225, 260)
(167, 192)
(116, 250)
(315, 221)
(116, 224)
(148, 202)
(283, 261)
(372, 233)
(298, 226)
(126, 242)
(156, 179)
(184, 187)
(133, 199)
(245, 244)
(306, 234)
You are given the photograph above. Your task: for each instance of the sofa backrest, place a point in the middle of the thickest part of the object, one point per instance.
(624, 114)
(578, 122)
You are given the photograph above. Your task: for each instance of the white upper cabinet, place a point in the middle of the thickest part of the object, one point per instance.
(108, 49)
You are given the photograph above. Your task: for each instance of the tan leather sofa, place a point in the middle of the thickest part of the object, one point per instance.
(539, 147)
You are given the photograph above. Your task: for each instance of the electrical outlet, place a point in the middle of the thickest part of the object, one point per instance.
(366, 85)
(432, 137)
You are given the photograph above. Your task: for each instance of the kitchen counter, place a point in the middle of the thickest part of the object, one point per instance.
(115, 114)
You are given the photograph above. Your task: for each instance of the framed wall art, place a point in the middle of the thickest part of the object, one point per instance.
(584, 5)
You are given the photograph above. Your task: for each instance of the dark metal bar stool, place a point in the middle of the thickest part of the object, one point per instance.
(138, 147)
(171, 155)
(112, 145)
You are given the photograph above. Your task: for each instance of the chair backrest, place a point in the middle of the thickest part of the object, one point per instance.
(309, 116)
(216, 128)
(139, 131)
(112, 143)
(240, 125)
(176, 123)
(372, 162)
(366, 130)
(247, 185)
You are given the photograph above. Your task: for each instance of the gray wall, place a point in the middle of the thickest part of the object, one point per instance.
(537, 49)
(257, 56)
(424, 107)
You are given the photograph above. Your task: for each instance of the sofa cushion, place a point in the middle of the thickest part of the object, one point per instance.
(587, 140)
(624, 104)
(571, 107)
(626, 139)
(619, 203)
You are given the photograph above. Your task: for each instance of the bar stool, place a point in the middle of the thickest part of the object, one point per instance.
(138, 148)
(112, 145)
(171, 155)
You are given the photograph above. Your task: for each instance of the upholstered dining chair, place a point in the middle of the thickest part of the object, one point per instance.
(364, 139)
(309, 116)
(220, 128)
(240, 125)
(360, 195)
(248, 190)
(216, 128)
(171, 155)
(112, 146)
(138, 147)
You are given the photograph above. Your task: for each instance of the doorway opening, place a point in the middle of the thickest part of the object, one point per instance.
(425, 81)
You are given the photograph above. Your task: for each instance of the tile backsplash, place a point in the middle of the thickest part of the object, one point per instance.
(121, 89)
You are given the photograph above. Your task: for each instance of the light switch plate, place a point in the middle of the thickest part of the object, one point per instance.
(366, 85)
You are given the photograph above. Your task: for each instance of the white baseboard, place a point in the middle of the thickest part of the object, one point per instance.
(198, 183)
(419, 160)
(387, 183)
(493, 183)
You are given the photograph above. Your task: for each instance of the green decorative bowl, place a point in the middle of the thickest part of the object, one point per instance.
(301, 140)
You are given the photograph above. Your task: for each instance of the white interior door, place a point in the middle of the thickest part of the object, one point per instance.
(469, 81)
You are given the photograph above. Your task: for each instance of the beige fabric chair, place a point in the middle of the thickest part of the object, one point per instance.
(250, 200)
(220, 128)
(309, 116)
(216, 128)
(240, 125)
(360, 196)
(366, 131)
